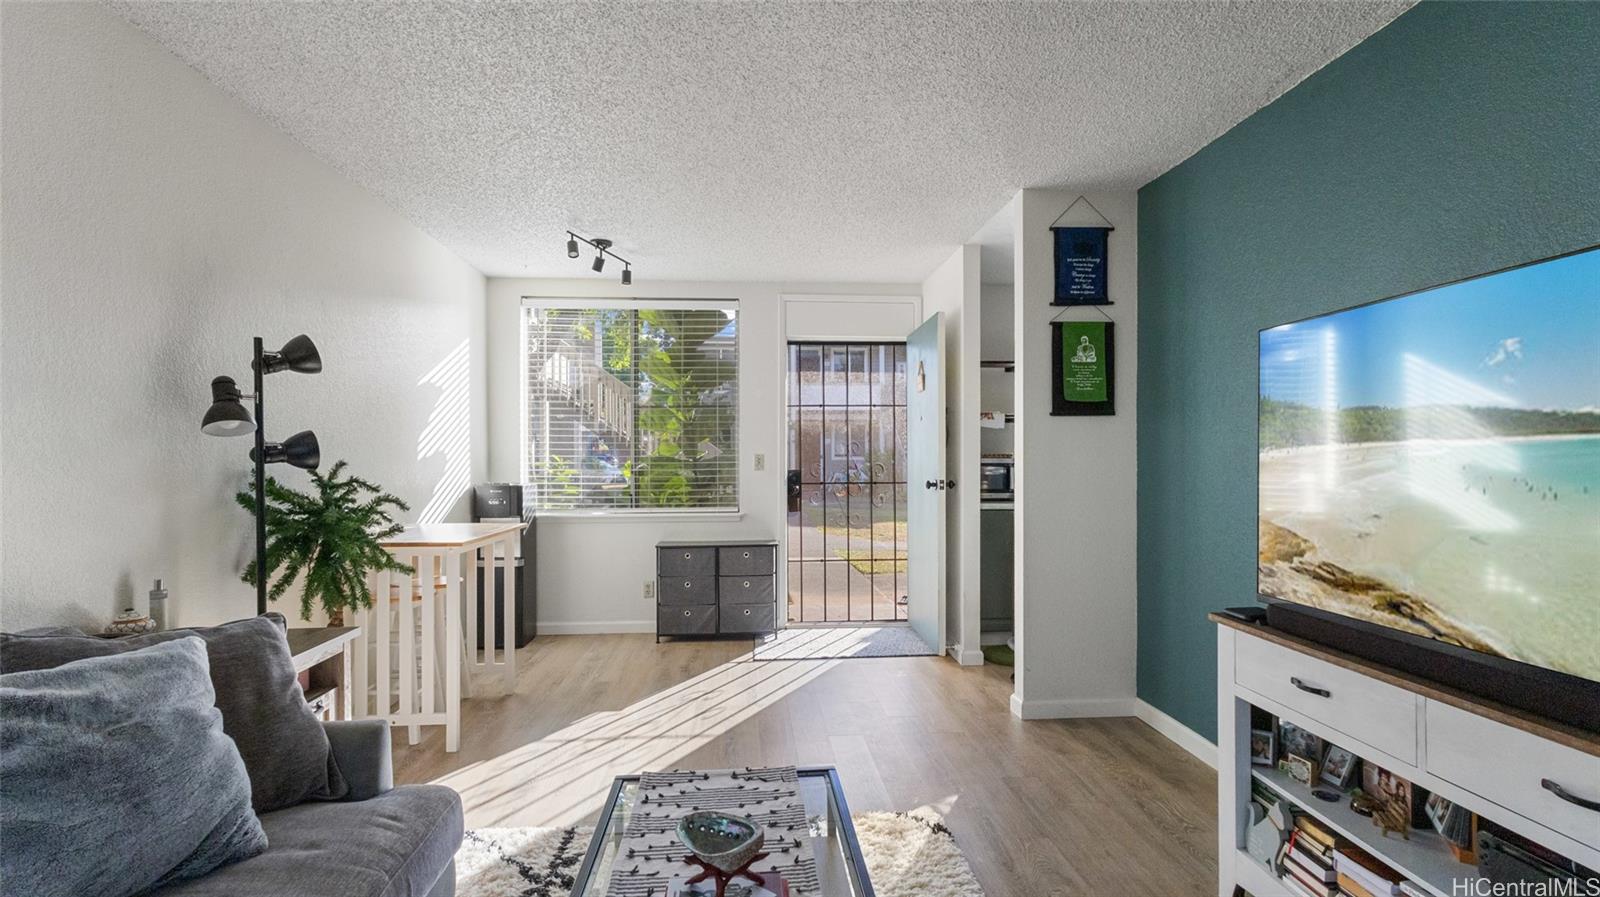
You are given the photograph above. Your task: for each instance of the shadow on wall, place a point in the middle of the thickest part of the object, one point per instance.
(448, 432)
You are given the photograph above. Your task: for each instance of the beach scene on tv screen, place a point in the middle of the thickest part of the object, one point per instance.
(1432, 464)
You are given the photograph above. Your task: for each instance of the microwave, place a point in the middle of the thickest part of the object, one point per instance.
(995, 479)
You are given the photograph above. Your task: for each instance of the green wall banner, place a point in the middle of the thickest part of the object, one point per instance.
(1082, 366)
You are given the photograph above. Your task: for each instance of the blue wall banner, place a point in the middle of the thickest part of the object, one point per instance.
(1081, 265)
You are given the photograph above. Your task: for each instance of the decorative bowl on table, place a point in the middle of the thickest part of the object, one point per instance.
(721, 840)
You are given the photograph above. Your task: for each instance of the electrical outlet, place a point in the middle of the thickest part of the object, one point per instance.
(761, 461)
(650, 589)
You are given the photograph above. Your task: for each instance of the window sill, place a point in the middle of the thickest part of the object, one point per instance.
(641, 516)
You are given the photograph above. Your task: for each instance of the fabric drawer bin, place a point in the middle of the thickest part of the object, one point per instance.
(681, 590)
(696, 561)
(690, 620)
(738, 560)
(745, 590)
(747, 618)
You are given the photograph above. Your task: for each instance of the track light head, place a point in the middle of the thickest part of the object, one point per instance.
(627, 275)
(599, 262)
(572, 247)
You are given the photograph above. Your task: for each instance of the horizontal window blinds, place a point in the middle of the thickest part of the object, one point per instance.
(631, 408)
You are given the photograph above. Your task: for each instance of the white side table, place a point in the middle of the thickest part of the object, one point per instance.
(423, 614)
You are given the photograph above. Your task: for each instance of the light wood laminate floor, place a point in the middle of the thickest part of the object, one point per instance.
(1049, 807)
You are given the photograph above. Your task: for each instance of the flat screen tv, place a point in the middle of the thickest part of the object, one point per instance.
(1429, 483)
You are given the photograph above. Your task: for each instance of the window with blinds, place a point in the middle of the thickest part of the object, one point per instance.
(631, 407)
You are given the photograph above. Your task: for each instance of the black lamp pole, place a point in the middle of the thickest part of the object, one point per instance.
(227, 417)
(260, 457)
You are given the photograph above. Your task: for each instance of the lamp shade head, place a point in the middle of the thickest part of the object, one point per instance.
(300, 450)
(227, 416)
(572, 248)
(299, 355)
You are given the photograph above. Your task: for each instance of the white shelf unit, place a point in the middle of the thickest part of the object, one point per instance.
(1386, 718)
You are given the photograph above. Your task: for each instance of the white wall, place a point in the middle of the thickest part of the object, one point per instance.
(592, 571)
(1075, 508)
(151, 227)
(953, 288)
(997, 389)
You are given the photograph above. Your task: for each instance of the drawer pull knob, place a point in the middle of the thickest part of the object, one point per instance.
(686, 583)
(687, 555)
(1568, 796)
(747, 613)
(747, 555)
(1309, 689)
(747, 583)
(688, 613)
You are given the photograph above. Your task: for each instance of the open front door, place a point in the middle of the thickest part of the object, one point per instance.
(925, 480)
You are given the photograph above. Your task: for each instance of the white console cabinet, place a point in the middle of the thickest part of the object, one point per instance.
(1533, 776)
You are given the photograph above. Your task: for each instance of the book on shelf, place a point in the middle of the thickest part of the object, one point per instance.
(1351, 887)
(1368, 871)
(1296, 874)
(1318, 837)
(1310, 868)
(1296, 888)
(1304, 852)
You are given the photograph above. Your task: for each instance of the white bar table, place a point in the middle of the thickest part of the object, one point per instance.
(430, 629)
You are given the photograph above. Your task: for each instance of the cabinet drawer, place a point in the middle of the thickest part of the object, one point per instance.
(744, 589)
(678, 590)
(1372, 712)
(1509, 766)
(692, 620)
(737, 560)
(700, 560)
(747, 618)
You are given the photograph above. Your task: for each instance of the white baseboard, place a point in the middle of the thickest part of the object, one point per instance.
(1072, 708)
(966, 657)
(1178, 733)
(602, 627)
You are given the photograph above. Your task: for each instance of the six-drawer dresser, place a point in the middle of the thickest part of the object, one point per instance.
(716, 588)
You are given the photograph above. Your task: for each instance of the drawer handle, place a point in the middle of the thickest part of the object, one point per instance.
(688, 613)
(747, 583)
(1309, 689)
(687, 555)
(747, 613)
(1568, 796)
(686, 583)
(747, 555)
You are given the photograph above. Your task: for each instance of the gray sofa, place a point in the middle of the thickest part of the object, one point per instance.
(379, 841)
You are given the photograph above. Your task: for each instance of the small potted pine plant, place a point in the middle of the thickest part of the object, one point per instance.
(330, 536)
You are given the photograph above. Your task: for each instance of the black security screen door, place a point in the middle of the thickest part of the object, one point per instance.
(847, 482)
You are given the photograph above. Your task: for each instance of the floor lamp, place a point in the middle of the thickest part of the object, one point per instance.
(227, 416)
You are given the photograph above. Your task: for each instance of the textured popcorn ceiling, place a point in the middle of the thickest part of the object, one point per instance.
(770, 141)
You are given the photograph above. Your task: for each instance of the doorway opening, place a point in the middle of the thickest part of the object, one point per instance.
(847, 482)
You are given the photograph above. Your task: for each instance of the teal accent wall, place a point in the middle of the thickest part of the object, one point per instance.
(1459, 139)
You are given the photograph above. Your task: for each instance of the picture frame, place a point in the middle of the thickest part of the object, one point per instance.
(1338, 767)
(1263, 747)
(1299, 768)
(1297, 741)
(1083, 374)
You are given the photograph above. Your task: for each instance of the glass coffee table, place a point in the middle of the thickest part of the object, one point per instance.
(840, 869)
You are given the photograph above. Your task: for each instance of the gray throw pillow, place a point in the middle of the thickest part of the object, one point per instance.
(116, 777)
(284, 747)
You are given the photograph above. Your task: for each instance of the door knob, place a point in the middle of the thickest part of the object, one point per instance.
(933, 484)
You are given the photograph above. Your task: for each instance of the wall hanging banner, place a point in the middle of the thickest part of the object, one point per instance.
(1082, 362)
(1081, 265)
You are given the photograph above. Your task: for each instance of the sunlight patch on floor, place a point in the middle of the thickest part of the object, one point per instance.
(563, 778)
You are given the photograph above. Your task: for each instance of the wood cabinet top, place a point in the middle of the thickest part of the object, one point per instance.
(1561, 733)
(448, 535)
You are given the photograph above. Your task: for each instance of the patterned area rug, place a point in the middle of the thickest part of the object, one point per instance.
(908, 855)
(834, 642)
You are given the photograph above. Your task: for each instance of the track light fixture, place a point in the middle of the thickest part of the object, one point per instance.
(602, 248)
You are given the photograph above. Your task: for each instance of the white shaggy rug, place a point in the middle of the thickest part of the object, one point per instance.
(908, 855)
